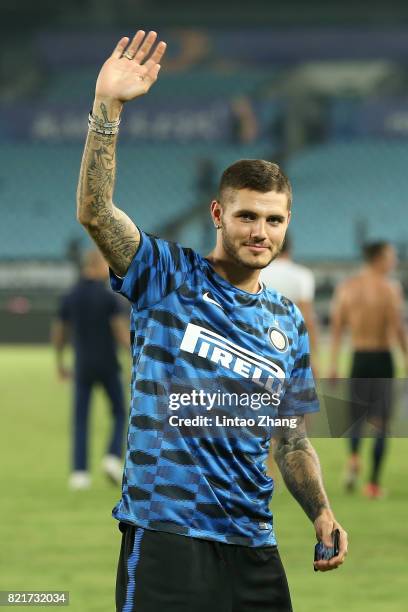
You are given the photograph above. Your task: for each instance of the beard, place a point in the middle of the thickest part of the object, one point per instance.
(233, 253)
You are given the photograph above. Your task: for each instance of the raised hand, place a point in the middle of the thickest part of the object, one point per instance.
(131, 69)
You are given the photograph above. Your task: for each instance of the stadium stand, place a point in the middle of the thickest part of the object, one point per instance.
(337, 186)
(38, 185)
(340, 187)
(340, 173)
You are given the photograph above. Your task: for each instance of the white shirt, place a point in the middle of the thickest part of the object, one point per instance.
(292, 280)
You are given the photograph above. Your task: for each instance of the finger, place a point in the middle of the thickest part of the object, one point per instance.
(120, 47)
(326, 536)
(340, 558)
(136, 40)
(335, 562)
(325, 566)
(322, 565)
(343, 552)
(327, 540)
(153, 72)
(156, 57)
(146, 46)
(157, 54)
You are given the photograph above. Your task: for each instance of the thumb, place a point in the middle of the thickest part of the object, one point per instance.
(324, 526)
(325, 535)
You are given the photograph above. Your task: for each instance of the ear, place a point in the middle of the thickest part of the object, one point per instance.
(289, 217)
(216, 212)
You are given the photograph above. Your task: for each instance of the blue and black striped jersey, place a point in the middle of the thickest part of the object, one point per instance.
(196, 340)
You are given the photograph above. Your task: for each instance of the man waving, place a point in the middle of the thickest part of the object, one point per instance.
(197, 530)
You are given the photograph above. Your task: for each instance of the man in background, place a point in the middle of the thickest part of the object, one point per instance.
(296, 283)
(93, 318)
(370, 305)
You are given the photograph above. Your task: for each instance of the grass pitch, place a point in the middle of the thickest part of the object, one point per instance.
(55, 539)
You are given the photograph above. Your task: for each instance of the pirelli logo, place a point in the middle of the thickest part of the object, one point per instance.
(214, 347)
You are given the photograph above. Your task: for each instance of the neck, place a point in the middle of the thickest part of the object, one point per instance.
(242, 278)
(374, 270)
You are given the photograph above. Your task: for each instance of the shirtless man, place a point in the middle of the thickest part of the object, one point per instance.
(370, 304)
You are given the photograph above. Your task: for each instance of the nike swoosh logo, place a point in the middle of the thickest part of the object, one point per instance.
(207, 298)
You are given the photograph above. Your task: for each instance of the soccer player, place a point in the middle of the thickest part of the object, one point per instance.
(93, 317)
(197, 530)
(370, 304)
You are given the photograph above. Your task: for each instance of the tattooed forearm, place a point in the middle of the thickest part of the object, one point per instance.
(300, 469)
(97, 176)
(115, 234)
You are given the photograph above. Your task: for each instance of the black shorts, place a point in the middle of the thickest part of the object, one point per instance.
(371, 386)
(166, 572)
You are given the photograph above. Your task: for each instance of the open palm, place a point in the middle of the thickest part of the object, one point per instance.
(123, 76)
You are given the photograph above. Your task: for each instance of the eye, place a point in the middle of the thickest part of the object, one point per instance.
(276, 220)
(246, 216)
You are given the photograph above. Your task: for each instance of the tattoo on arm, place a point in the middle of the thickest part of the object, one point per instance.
(113, 231)
(300, 469)
(104, 112)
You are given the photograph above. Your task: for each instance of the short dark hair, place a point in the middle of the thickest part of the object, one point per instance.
(372, 250)
(256, 174)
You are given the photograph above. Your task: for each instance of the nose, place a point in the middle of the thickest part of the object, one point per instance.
(258, 229)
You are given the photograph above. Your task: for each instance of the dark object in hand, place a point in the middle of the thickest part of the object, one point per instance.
(326, 552)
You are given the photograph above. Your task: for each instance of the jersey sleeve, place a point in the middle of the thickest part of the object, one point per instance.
(300, 395)
(158, 268)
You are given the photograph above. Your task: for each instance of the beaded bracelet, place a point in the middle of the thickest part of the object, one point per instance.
(106, 128)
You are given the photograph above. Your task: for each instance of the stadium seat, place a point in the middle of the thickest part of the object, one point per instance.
(156, 183)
